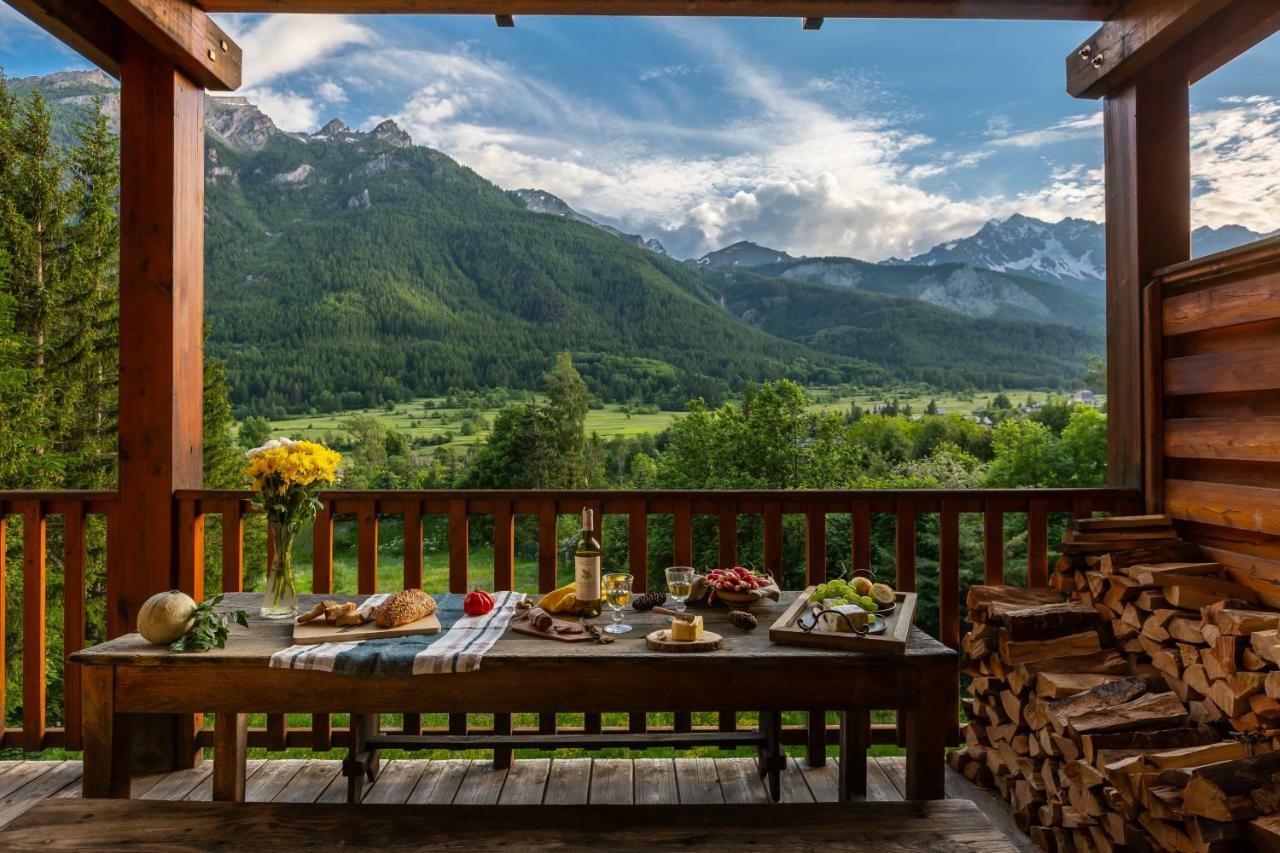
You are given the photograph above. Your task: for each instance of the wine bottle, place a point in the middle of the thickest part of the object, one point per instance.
(586, 569)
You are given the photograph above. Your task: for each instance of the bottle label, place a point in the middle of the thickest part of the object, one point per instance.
(586, 585)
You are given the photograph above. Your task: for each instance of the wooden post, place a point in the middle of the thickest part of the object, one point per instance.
(1146, 132)
(161, 341)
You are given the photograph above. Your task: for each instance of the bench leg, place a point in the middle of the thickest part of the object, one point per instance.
(230, 738)
(106, 736)
(771, 760)
(502, 754)
(855, 737)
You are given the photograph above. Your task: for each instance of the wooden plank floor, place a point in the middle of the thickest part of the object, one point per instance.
(530, 781)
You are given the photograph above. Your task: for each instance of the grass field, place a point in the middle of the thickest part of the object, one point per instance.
(416, 420)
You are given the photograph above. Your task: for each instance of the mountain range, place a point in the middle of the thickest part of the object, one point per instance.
(348, 267)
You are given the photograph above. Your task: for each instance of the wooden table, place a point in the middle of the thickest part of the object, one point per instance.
(520, 674)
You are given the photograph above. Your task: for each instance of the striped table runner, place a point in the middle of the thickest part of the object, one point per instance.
(460, 647)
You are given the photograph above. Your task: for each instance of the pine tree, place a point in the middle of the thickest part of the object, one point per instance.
(87, 339)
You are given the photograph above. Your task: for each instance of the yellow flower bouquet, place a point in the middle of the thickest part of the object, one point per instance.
(287, 477)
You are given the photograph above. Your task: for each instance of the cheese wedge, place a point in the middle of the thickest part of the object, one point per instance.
(686, 631)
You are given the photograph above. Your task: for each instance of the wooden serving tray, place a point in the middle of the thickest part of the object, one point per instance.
(892, 642)
(306, 633)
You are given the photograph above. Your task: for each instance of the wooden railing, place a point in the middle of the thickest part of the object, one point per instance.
(503, 509)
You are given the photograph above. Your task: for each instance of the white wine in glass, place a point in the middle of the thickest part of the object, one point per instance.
(680, 585)
(617, 594)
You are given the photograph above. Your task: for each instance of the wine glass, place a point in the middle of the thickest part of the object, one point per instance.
(679, 585)
(617, 592)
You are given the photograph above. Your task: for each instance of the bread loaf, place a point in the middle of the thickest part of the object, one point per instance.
(404, 607)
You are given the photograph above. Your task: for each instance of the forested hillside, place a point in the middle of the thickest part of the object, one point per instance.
(916, 341)
(348, 269)
(344, 271)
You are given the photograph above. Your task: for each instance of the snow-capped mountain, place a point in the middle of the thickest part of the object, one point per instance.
(541, 201)
(1071, 252)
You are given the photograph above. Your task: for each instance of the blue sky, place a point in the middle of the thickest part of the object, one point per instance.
(867, 138)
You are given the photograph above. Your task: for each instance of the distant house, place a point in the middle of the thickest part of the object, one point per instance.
(1085, 397)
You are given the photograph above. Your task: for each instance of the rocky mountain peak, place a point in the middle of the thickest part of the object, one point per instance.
(333, 128)
(541, 201)
(744, 253)
(238, 124)
(389, 132)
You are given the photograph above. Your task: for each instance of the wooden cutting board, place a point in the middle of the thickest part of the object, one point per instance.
(306, 633)
(522, 625)
(660, 641)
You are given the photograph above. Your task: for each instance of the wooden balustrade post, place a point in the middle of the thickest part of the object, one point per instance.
(638, 560)
(993, 542)
(1038, 544)
(161, 340)
(861, 545)
(459, 556)
(4, 651)
(73, 619)
(815, 529)
(34, 543)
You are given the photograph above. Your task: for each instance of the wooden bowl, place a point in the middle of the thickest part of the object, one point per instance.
(740, 600)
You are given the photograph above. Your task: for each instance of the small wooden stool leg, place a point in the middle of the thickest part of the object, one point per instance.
(362, 763)
(855, 737)
(230, 737)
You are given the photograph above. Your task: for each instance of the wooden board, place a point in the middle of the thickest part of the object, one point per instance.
(660, 641)
(522, 625)
(893, 641)
(306, 633)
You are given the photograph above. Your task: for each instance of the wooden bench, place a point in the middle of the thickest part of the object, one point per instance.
(886, 827)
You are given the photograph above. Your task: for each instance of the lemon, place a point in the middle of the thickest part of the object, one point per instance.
(882, 593)
(862, 586)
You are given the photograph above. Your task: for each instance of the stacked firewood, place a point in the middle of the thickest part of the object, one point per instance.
(1137, 713)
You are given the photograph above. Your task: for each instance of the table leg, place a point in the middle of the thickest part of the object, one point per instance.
(771, 760)
(855, 737)
(927, 737)
(106, 736)
(230, 738)
(815, 752)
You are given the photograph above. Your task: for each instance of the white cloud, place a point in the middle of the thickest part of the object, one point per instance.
(1235, 163)
(275, 45)
(678, 70)
(1070, 128)
(289, 110)
(1235, 169)
(331, 92)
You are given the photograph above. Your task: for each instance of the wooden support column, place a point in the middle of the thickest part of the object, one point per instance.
(1146, 132)
(161, 329)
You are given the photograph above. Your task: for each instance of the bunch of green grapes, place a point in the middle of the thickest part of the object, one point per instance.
(840, 591)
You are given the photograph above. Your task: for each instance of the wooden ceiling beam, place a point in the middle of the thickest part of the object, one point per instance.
(1065, 10)
(184, 34)
(85, 27)
(1128, 42)
(1230, 33)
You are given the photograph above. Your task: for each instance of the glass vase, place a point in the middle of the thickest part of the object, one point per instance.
(280, 601)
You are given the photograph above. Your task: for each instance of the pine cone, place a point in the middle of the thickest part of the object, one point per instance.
(649, 600)
(742, 619)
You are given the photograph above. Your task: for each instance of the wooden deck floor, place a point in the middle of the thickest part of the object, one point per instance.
(530, 781)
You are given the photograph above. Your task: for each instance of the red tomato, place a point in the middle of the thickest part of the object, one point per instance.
(477, 603)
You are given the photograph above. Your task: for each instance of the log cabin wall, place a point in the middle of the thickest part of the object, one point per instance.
(1212, 437)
